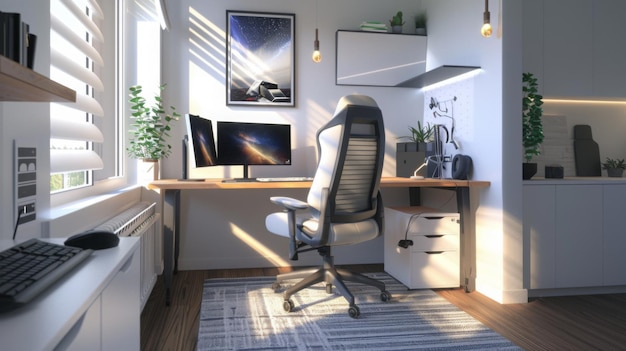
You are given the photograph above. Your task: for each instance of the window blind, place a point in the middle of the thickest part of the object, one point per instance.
(76, 62)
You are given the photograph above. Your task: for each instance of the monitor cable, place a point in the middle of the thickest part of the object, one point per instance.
(19, 217)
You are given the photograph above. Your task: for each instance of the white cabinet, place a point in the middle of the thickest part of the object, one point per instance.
(576, 234)
(614, 247)
(539, 228)
(575, 47)
(433, 261)
(96, 307)
(578, 221)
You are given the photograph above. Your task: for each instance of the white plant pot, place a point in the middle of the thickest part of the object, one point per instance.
(148, 171)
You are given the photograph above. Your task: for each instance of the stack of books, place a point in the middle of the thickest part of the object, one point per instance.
(373, 26)
(16, 43)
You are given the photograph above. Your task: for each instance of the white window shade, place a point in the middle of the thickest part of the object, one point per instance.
(77, 62)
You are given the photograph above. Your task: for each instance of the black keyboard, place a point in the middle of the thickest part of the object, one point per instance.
(27, 269)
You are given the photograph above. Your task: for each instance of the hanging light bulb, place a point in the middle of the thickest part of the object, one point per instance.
(317, 56)
(486, 29)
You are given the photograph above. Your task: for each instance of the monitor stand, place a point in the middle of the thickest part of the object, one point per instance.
(241, 180)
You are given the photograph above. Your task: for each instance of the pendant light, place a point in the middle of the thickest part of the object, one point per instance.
(316, 56)
(486, 29)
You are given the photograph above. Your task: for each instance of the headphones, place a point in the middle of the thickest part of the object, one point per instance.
(461, 166)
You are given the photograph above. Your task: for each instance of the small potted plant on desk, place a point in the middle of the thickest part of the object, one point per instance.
(410, 155)
(150, 129)
(396, 23)
(532, 127)
(614, 167)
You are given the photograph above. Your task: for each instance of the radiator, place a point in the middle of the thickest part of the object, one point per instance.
(141, 220)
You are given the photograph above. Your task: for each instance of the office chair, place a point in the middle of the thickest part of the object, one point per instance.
(344, 206)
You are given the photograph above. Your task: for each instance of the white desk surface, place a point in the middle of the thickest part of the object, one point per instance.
(42, 323)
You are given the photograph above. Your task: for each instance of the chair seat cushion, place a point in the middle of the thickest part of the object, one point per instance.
(340, 233)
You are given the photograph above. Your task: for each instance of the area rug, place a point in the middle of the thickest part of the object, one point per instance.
(247, 314)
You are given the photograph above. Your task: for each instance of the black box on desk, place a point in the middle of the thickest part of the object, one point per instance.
(554, 172)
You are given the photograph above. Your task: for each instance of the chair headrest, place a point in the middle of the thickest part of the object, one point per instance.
(355, 99)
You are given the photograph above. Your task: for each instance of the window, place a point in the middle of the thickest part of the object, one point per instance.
(84, 137)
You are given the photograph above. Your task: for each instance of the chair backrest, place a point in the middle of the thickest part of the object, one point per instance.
(351, 150)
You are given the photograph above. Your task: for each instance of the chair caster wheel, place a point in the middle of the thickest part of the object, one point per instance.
(288, 305)
(354, 311)
(275, 286)
(385, 296)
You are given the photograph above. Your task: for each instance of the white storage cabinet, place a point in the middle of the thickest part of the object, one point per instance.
(433, 261)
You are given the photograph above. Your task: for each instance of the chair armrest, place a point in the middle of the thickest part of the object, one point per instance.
(289, 203)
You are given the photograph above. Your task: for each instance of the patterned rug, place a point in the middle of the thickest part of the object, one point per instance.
(246, 314)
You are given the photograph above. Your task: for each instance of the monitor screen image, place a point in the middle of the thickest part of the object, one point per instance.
(253, 143)
(202, 144)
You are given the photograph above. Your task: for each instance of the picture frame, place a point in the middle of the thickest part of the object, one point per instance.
(260, 58)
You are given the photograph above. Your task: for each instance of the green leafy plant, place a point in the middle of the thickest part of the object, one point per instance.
(420, 20)
(421, 134)
(397, 19)
(611, 163)
(532, 127)
(150, 127)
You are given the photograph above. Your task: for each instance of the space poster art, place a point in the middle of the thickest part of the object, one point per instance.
(260, 58)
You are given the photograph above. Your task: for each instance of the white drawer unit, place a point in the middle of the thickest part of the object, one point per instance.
(431, 258)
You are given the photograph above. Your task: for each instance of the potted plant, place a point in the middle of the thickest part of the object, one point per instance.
(532, 127)
(150, 128)
(412, 153)
(420, 23)
(396, 23)
(614, 167)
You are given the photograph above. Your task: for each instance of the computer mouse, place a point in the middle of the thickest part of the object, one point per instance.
(93, 239)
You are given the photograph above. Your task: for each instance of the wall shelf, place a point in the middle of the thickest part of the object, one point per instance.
(19, 83)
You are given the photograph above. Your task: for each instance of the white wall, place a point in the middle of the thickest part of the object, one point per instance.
(492, 139)
(28, 122)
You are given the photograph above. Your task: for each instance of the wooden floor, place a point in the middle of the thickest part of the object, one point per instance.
(557, 323)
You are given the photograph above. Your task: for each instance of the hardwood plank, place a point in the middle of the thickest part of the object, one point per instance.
(554, 323)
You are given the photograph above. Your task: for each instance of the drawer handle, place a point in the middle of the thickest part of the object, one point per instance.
(432, 236)
(433, 252)
(433, 217)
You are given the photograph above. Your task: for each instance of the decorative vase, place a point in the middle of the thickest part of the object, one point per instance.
(614, 172)
(528, 170)
(148, 170)
(396, 29)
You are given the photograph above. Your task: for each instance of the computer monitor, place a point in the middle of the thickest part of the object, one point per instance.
(201, 144)
(247, 144)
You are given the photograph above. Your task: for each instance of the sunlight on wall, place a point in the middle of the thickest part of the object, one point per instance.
(257, 246)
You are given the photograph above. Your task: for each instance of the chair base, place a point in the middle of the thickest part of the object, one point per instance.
(332, 276)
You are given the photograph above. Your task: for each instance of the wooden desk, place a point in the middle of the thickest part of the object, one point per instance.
(171, 188)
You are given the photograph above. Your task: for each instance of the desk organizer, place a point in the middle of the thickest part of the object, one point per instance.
(433, 259)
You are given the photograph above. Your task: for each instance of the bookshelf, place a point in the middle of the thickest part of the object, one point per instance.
(19, 83)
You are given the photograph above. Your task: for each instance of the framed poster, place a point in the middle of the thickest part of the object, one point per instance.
(260, 58)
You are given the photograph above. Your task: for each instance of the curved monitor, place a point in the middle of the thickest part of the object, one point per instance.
(253, 144)
(201, 142)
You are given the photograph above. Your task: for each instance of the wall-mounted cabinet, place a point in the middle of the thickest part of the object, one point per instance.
(575, 47)
(379, 59)
(18, 83)
(387, 60)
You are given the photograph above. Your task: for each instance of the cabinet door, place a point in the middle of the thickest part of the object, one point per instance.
(568, 48)
(609, 48)
(121, 308)
(614, 235)
(579, 235)
(85, 334)
(539, 234)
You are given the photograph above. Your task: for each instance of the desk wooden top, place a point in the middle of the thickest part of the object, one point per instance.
(386, 182)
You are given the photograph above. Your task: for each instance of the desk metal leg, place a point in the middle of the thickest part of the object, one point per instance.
(171, 239)
(468, 239)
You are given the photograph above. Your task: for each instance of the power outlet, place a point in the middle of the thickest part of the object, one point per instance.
(25, 180)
